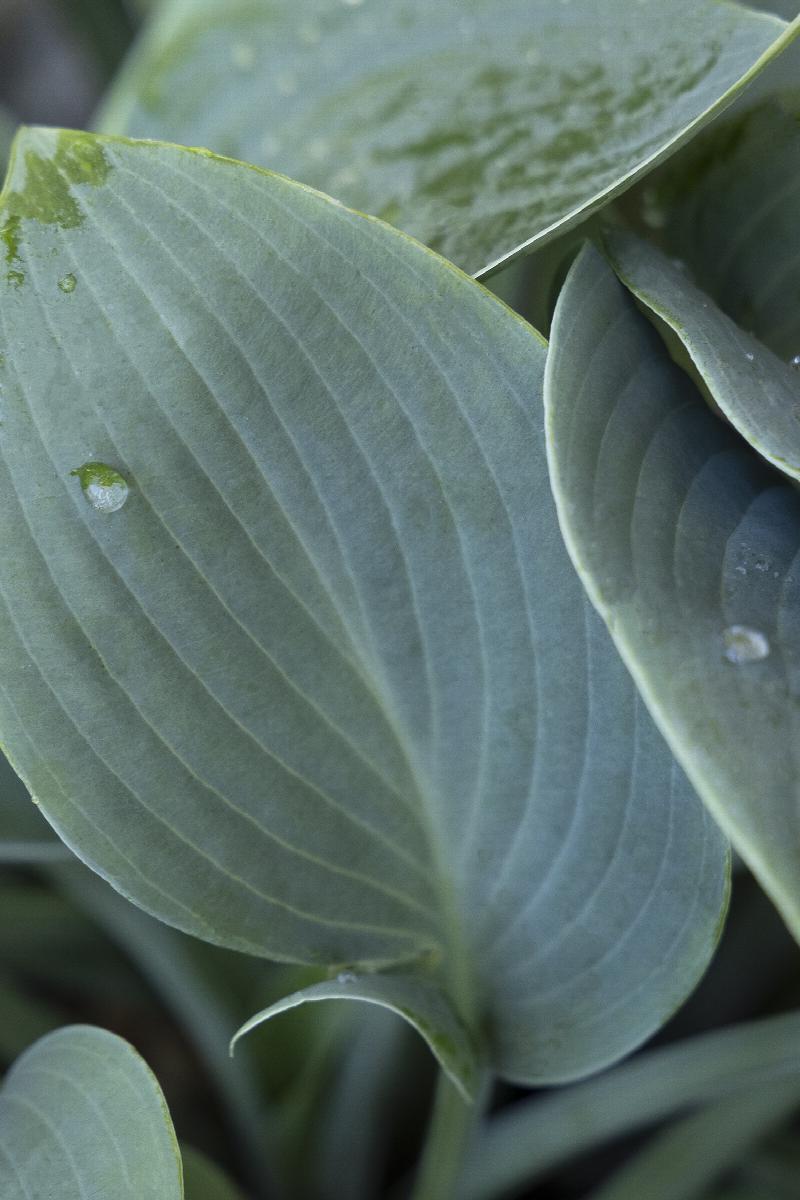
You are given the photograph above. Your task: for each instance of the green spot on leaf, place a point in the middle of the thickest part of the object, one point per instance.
(42, 187)
(10, 235)
(103, 486)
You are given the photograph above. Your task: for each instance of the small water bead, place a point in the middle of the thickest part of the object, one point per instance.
(749, 355)
(346, 977)
(795, 362)
(744, 645)
(104, 488)
(68, 283)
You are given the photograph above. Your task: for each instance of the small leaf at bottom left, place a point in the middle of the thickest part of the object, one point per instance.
(81, 1115)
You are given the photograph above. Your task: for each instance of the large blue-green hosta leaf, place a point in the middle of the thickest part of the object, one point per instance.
(324, 686)
(483, 127)
(688, 544)
(81, 1116)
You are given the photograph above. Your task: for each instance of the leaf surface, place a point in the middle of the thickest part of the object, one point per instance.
(420, 1003)
(732, 219)
(687, 543)
(483, 128)
(81, 1115)
(758, 392)
(325, 687)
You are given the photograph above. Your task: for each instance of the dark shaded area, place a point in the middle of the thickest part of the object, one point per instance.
(56, 57)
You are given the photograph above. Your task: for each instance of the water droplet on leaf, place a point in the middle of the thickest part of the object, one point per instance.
(795, 362)
(346, 977)
(749, 355)
(68, 283)
(104, 488)
(744, 645)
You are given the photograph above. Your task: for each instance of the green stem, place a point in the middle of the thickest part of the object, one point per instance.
(442, 1160)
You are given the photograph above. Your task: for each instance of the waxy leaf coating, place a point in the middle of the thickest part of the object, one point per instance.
(325, 687)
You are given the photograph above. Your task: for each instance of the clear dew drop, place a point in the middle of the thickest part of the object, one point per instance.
(749, 355)
(345, 977)
(744, 645)
(68, 283)
(795, 362)
(104, 488)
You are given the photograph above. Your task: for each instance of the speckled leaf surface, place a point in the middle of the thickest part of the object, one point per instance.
(483, 127)
(81, 1115)
(324, 685)
(758, 392)
(688, 544)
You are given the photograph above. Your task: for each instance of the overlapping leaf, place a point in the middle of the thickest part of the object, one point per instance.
(81, 1116)
(757, 391)
(325, 687)
(731, 216)
(688, 545)
(483, 128)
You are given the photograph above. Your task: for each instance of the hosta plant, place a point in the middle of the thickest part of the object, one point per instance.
(348, 623)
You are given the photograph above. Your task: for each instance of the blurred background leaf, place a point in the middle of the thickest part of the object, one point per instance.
(479, 128)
